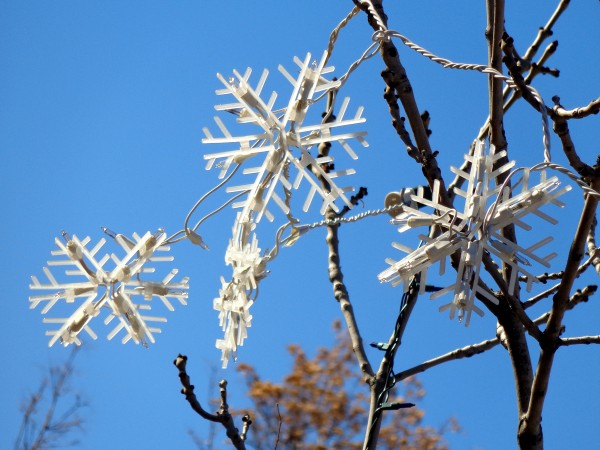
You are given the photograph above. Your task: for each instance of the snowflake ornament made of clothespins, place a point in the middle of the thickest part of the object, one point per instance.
(283, 142)
(474, 232)
(92, 288)
(279, 156)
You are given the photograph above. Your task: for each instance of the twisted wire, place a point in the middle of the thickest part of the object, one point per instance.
(380, 23)
(369, 53)
(355, 218)
(376, 212)
(336, 31)
(384, 35)
(582, 184)
(447, 64)
(288, 194)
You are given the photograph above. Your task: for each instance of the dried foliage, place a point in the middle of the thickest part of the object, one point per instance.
(321, 404)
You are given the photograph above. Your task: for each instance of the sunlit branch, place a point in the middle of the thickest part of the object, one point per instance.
(336, 276)
(558, 114)
(397, 120)
(534, 70)
(545, 294)
(399, 81)
(580, 296)
(459, 353)
(564, 342)
(546, 31)
(543, 33)
(591, 246)
(577, 113)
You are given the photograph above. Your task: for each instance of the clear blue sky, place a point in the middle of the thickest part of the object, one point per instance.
(102, 106)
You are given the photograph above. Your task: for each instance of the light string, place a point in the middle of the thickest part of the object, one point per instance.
(379, 37)
(336, 31)
(390, 353)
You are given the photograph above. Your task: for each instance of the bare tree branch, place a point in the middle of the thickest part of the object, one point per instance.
(591, 246)
(543, 278)
(564, 342)
(515, 95)
(459, 353)
(340, 293)
(539, 66)
(558, 114)
(397, 121)
(580, 296)
(58, 422)
(546, 31)
(561, 129)
(531, 421)
(514, 303)
(223, 416)
(481, 347)
(396, 78)
(577, 113)
(336, 277)
(542, 295)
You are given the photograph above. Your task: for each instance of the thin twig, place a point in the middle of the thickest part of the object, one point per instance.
(340, 293)
(546, 31)
(591, 108)
(542, 295)
(484, 130)
(278, 428)
(580, 296)
(54, 429)
(459, 353)
(579, 340)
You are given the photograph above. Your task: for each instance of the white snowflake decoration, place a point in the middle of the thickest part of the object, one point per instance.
(283, 140)
(282, 145)
(237, 296)
(475, 231)
(100, 289)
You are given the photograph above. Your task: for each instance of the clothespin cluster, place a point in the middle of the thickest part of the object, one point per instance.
(475, 231)
(283, 141)
(121, 292)
(237, 295)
